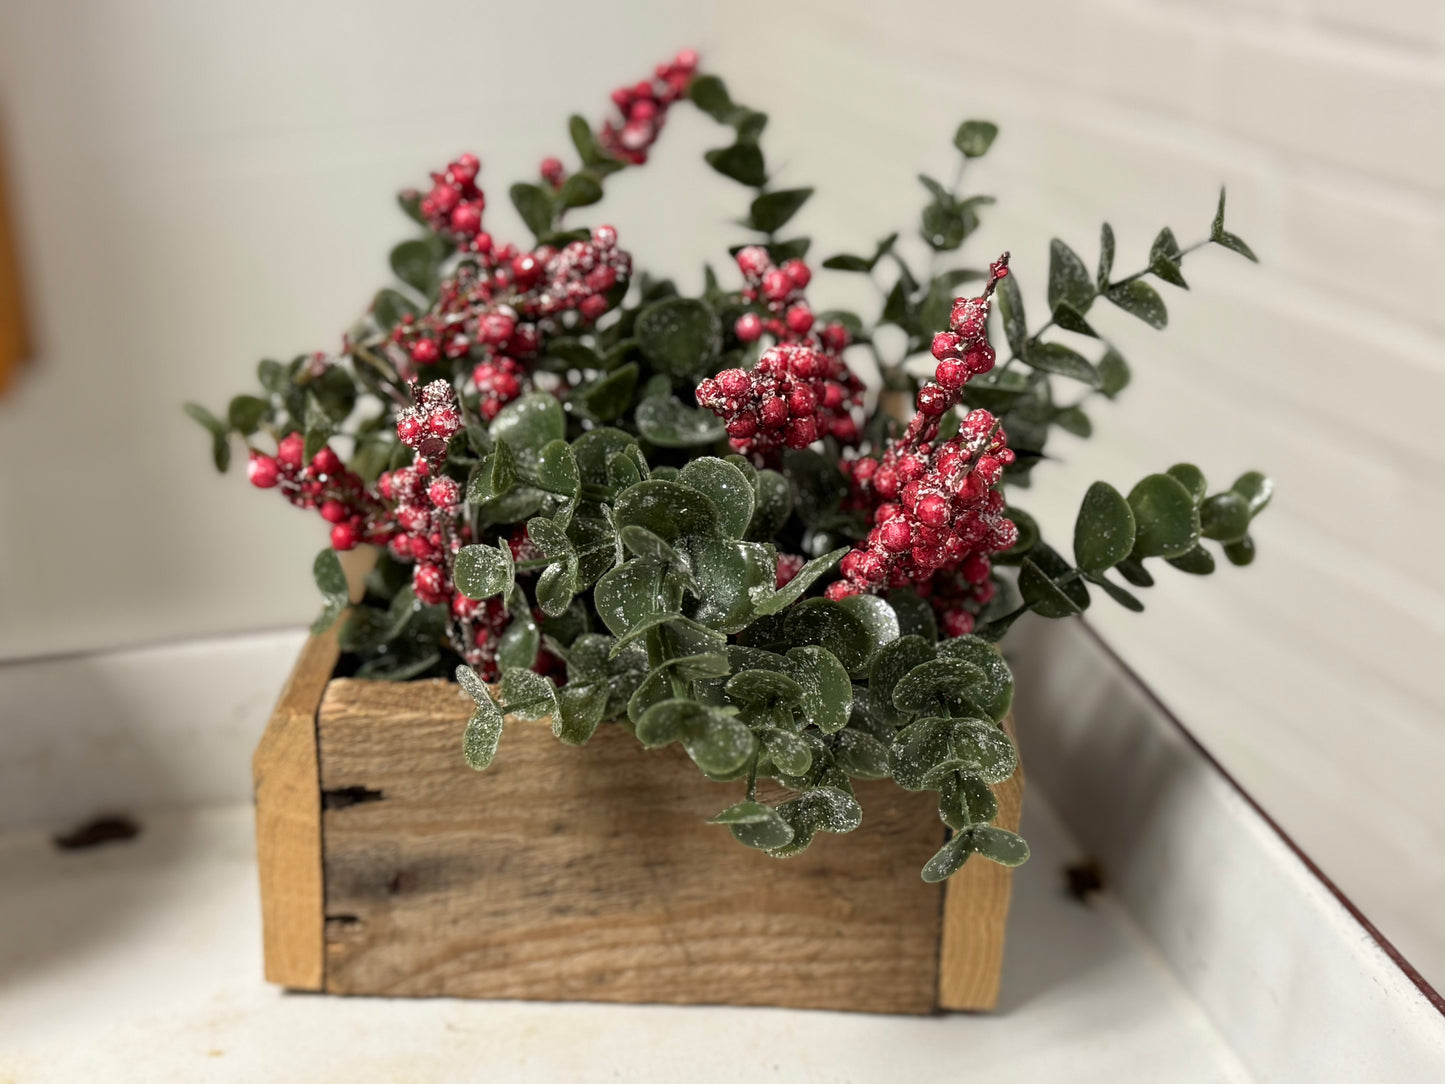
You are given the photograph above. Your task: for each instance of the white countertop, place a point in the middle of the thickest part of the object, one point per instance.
(1216, 954)
(141, 961)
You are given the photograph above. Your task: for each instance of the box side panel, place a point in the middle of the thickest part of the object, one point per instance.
(975, 914)
(589, 874)
(288, 824)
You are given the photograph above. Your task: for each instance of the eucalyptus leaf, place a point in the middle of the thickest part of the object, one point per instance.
(1104, 529)
(1166, 518)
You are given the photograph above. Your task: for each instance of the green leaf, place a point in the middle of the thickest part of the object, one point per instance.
(1240, 553)
(998, 845)
(1138, 298)
(1068, 318)
(756, 825)
(879, 620)
(822, 809)
(948, 860)
(496, 477)
(827, 698)
(580, 709)
(331, 582)
(766, 689)
(1135, 572)
(246, 412)
(774, 506)
(731, 576)
(1235, 243)
(1191, 478)
(529, 424)
(710, 94)
(1106, 257)
(389, 307)
(944, 227)
(1115, 592)
(534, 204)
(1074, 420)
(1220, 236)
(772, 210)
(482, 571)
(220, 440)
(831, 625)
(922, 753)
(995, 696)
(975, 137)
(1104, 529)
(609, 396)
(627, 594)
(519, 643)
(680, 336)
(845, 262)
(1059, 359)
(1069, 279)
(585, 142)
(1113, 373)
(580, 190)
(1166, 518)
(742, 162)
(417, 264)
(483, 733)
(942, 682)
(1164, 258)
(669, 510)
(666, 422)
(805, 578)
(473, 685)
(595, 447)
(887, 668)
(861, 755)
(528, 695)
(1256, 489)
(915, 615)
(728, 489)
(1043, 595)
(556, 586)
(1011, 308)
(1224, 517)
(1197, 562)
(557, 469)
(724, 745)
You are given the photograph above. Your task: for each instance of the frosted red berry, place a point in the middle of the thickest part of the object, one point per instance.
(262, 471)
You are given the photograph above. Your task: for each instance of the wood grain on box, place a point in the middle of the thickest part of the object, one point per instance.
(589, 874)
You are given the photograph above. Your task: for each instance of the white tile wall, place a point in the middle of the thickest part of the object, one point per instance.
(203, 185)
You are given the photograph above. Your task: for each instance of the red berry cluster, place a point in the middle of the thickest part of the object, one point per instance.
(963, 352)
(935, 507)
(937, 516)
(644, 109)
(500, 303)
(792, 397)
(427, 427)
(455, 203)
(579, 277)
(779, 291)
(325, 484)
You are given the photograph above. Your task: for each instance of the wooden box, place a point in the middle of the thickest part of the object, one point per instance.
(389, 867)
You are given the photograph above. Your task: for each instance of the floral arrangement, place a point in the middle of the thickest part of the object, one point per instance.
(600, 502)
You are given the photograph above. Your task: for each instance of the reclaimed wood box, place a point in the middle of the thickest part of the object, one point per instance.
(388, 867)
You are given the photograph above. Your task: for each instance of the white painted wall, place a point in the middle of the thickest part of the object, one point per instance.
(200, 186)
